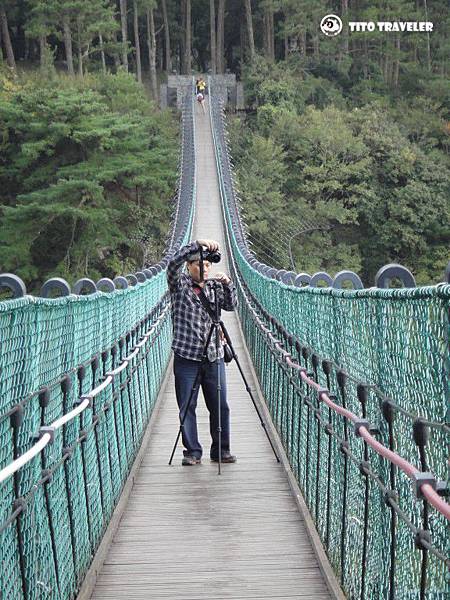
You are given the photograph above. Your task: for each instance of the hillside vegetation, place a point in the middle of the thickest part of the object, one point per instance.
(343, 160)
(87, 171)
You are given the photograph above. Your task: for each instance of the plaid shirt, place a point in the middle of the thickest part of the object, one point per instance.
(190, 321)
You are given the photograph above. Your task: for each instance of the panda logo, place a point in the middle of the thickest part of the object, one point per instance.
(331, 25)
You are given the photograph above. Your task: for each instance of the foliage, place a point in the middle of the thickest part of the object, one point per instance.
(366, 175)
(87, 169)
(85, 19)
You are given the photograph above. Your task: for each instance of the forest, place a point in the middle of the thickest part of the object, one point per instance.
(341, 157)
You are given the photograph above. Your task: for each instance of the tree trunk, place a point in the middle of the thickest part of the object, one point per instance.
(1, 45)
(7, 40)
(272, 34)
(265, 41)
(124, 25)
(344, 12)
(212, 26)
(316, 47)
(425, 5)
(251, 37)
(220, 37)
(386, 67)
(182, 40)
(391, 60)
(397, 62)
(116, 55)
(79, 50)
(102, 52)
(188, 44)
(151, 43)
(166, 37)
(381, 54)
(136, 43)
(68, 45)
(269, 46)
(42, 55)
(366, 59)
(415, 46)
(303, 42)
(160, 57)
(27, 44)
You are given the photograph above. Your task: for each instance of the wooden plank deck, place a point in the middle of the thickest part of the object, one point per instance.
(186, 532)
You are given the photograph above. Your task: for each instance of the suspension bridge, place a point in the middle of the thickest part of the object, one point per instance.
(352, 384)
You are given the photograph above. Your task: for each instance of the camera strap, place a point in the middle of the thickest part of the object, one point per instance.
(204, 300)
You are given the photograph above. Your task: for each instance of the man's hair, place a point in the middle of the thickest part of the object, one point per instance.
(193, 257)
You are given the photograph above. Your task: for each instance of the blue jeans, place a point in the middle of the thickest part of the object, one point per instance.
(185, 372)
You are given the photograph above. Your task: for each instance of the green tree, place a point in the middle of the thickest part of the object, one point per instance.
(409, 216)
(4, 29)
(88, 166)
(362, 186)
(40, 24)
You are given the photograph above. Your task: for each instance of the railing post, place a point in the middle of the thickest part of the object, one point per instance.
(341, 380)
(299, 438)
(291, 396)
(129, 384)
(316, 412)
(326, 366)
(362, 393)
(46, 474)
(421, 434)
(388, 414)
(66, 386)
(16, 422)
(100, 462)
(119, 418)
(81, 373)
(127, 417)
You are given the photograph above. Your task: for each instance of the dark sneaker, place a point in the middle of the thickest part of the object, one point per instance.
(189, 460)
(226, 458)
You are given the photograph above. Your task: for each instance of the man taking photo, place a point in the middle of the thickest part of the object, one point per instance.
(191, 326)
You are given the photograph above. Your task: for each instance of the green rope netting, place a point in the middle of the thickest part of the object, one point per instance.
(53, 540)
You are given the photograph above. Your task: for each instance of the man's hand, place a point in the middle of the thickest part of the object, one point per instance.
(211, 245)
(222, 278)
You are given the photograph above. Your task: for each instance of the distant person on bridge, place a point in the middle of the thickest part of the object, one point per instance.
(201, 101)
(200, 91)
(191, 325)
(200, 86)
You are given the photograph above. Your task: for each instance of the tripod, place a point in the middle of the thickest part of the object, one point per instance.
(218, 326)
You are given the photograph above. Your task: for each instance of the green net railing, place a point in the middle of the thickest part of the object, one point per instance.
(384, 356)
(53, 354)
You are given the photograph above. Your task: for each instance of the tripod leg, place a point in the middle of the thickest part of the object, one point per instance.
(247, 387)
(219, 408)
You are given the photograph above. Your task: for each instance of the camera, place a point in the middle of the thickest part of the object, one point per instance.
(212, 257)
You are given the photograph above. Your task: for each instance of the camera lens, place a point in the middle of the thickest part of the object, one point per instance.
(213, 257)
